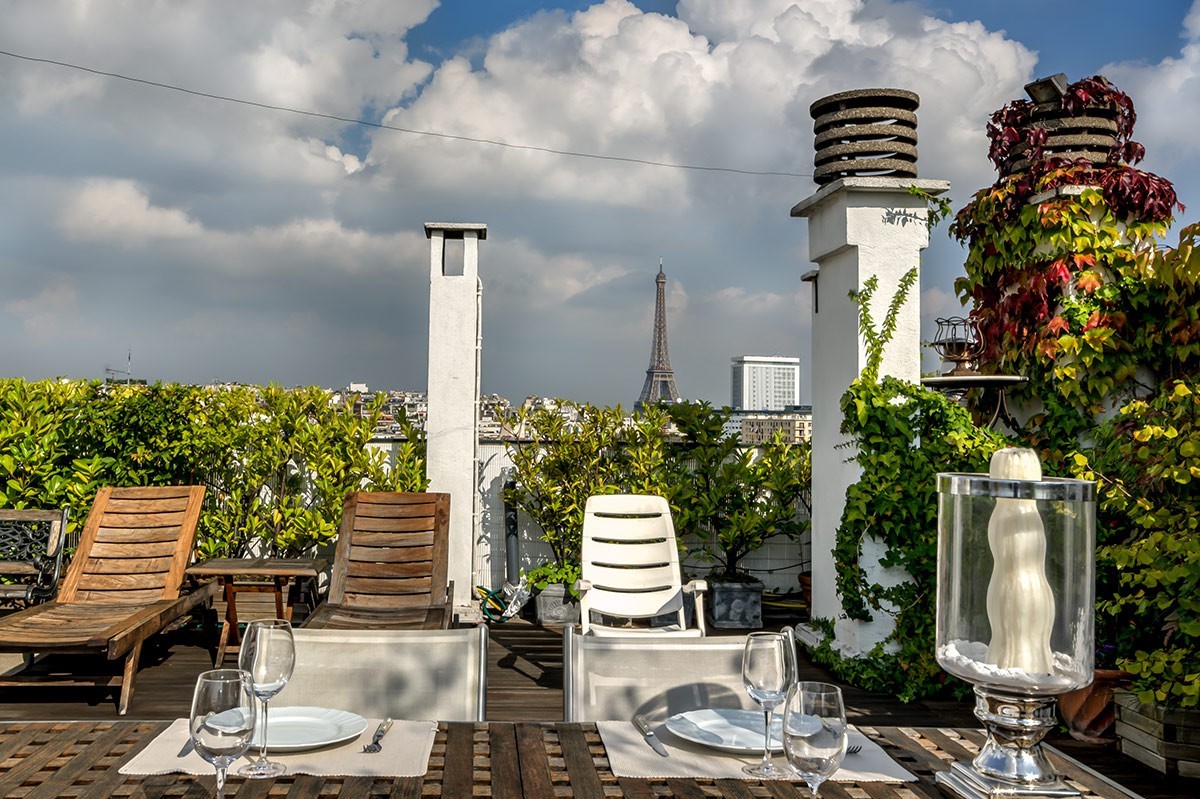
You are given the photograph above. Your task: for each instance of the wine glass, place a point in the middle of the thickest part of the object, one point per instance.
(814, 731)
(269, 654)
(223, 719)
(767, 672)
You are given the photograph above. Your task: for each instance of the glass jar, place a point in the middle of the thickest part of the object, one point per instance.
(1016, 582)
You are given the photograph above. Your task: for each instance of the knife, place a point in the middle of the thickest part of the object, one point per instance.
(644, 728)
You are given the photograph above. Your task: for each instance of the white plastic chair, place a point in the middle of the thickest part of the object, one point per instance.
(405, 674)
(608, 678)
(630, 569)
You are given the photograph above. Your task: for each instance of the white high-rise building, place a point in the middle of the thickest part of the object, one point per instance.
(765, 382)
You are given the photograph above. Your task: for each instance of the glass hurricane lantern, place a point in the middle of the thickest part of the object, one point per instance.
(1015, 609)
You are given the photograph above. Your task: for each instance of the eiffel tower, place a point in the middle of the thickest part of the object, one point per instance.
(660, 380)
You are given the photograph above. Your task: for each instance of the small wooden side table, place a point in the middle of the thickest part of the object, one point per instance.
(280, 571)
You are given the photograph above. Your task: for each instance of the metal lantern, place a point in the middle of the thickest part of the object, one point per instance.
(957, 341)
(1015, 609)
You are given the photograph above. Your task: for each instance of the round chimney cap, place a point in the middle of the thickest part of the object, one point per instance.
(902, 99)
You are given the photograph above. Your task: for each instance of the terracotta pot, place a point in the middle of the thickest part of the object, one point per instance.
(1089, 712)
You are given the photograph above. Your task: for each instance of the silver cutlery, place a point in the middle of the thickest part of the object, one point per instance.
(644, 728)
(380, 731)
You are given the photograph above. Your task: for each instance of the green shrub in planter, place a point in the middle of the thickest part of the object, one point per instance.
(729, 500)
(1147, 462)
(573, 451)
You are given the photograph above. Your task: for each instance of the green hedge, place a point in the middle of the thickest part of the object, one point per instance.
(277, 462)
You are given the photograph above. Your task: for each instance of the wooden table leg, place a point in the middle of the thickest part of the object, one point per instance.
(280, 612)
(229, 628)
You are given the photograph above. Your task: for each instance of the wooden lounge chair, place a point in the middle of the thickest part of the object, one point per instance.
(389, 568)
(123, 585)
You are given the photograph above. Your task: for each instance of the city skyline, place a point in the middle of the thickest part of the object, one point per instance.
(212, 204)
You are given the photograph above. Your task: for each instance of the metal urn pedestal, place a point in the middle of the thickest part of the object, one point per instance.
(1011, 762)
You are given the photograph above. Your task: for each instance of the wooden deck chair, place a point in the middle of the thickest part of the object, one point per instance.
(629, 576)
(123, 585)
(389, 568)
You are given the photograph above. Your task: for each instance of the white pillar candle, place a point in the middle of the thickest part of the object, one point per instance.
(1020, 604)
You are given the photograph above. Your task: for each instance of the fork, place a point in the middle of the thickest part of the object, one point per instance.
(853, 750)
(380, 731)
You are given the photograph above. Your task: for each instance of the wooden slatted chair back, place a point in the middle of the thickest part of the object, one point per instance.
(135, 545)
(391, 550)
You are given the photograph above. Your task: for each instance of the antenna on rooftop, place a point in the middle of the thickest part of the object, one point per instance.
(110, 373)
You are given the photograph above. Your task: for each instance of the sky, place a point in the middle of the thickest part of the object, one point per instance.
(205, 239)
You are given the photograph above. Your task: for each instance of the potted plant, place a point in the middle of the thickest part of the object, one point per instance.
(568, 453)
(1146, 461)
(729, 500)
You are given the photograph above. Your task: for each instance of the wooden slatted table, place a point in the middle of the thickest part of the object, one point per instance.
(273, 575)
(497, 759)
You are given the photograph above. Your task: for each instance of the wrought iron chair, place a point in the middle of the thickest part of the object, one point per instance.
(31, 554)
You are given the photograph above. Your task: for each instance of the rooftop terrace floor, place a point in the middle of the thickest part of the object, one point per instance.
(524, 684)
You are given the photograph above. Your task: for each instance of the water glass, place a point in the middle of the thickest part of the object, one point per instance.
(223, 719)
(814, 731)
(269, 655)
(768, 670)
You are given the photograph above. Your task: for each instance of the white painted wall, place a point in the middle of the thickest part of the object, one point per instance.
(857, 227)
(451, 427)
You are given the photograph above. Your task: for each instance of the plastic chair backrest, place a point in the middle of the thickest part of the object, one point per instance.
(411, 674)
(609, 678)
(630, 558)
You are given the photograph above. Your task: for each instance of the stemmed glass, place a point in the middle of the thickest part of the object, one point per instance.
(222, 720)
(269, 654)
(814, 731)
(767, 672)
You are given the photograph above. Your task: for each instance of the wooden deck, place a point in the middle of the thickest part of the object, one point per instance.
(524, 684)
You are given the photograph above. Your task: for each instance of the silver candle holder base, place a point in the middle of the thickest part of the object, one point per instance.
(1011, 764)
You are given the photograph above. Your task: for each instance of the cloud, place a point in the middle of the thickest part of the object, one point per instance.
(263, 245)
(1164, 122)
(43, 315)
(118, 211)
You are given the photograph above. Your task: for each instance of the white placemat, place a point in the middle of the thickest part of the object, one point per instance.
(630, 756)
(405, 754)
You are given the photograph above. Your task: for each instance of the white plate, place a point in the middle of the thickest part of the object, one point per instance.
(294, 729)
(726, 729)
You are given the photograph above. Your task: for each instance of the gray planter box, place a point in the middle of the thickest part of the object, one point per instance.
(555, 606)
(734, 606)
(1167, 740)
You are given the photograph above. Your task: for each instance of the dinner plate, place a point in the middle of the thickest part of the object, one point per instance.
(294, 729)
(727, 729)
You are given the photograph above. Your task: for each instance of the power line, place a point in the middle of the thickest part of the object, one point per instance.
(413, 131)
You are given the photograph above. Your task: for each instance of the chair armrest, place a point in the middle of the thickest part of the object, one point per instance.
(583, 586)
(696, 587)
(154, 617)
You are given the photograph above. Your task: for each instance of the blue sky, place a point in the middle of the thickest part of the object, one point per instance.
(223, 241)
(1072, 36)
